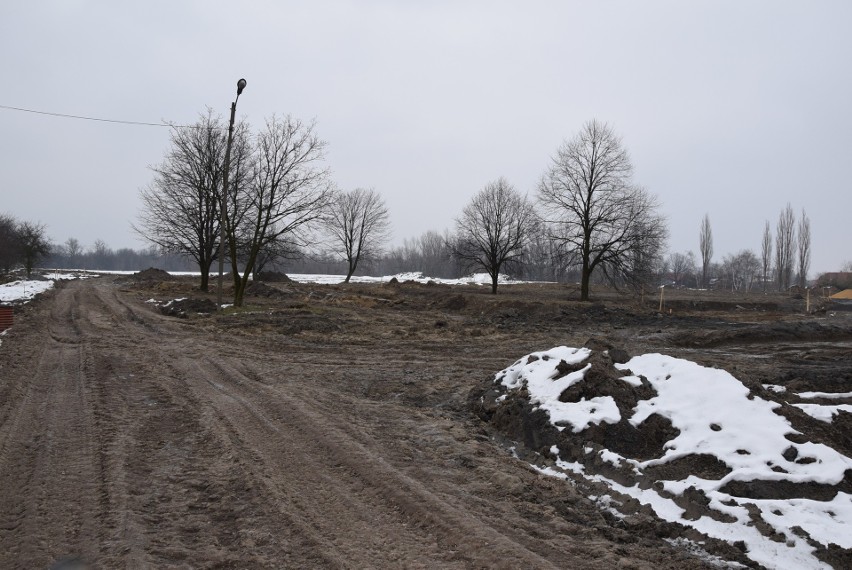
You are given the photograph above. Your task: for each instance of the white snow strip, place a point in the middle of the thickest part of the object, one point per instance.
(474, 279)
(826, 395)
(774, 388)
(824, 413)
(634, 381)
(549, 471)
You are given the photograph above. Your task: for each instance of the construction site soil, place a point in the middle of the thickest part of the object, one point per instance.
(335, 426)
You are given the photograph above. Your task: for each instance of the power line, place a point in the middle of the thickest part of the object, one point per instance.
(82, 117)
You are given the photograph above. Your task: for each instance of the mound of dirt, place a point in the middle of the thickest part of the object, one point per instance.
(273, 277)
(524, 422)
(184, 307)
(455, 303)
(152, 274)
(772, 332)
(572, 409)
(261, 289)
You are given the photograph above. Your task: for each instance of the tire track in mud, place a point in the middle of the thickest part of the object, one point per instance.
(177, 498)
(340, 499)
(296, 440)
(48, 435)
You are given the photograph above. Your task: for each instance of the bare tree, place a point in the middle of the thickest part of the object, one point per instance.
(10, 251)
(804, 243)
(73, 250)
(641, 262)
(275, 252)
(784, 247)
(359, 224)
(705, 246)
(596, 210)
(181, 212)
(435, 254)
(681, 266)
(34, 244)
(100, 255)
(286, 196)
(546, 258)
(741, 269)
(493, 228)
(766, 253)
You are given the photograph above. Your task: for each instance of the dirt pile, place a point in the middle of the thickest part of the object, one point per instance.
(261, 289)
(147, 277)
(273, 277)
(574, 413)
(780, 331)
(183, 308)
(512, 414)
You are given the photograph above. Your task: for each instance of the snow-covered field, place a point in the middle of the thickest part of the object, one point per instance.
(475, 279)
(715, 416)
(321, 278)
(23, 291)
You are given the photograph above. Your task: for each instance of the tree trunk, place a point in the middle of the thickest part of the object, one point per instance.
(239, 295)
(494, 284)
(584, 282)
(205, 279)
(350, 271)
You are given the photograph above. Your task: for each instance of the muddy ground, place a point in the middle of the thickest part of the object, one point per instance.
(329, 426)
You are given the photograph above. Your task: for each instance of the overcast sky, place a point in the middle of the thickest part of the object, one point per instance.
(730, 108)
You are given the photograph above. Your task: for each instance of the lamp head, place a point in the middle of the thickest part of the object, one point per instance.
(241, 84)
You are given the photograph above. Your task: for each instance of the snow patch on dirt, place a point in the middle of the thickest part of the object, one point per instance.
(23, 291)
(728, 465)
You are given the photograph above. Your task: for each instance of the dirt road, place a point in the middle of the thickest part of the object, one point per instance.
(135, 440)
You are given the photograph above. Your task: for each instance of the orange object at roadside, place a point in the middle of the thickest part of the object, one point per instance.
(7, 318)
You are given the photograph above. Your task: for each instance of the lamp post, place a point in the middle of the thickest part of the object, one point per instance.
(241, 84)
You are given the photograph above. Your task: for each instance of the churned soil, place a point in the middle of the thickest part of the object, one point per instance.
(328, 425)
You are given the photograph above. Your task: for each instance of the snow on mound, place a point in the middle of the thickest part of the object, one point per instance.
(22, 291)
(721, 460)
(715, 416)
(546, 383)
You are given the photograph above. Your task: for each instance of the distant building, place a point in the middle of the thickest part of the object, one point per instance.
(840, 279)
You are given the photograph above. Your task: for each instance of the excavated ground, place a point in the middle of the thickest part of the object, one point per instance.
(329, 426)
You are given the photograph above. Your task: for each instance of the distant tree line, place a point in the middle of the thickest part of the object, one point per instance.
(99, 256)
(587, 222)
(783, 261)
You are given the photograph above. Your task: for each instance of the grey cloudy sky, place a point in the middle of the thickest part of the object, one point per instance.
(731, 108)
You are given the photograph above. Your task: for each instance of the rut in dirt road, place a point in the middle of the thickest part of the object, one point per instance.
(135, 440)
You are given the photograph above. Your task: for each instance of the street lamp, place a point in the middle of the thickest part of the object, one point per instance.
(241, 84)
